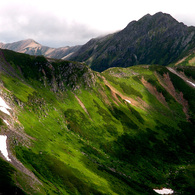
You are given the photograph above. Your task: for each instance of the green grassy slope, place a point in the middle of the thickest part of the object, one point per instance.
(85, 138)
(186, 61)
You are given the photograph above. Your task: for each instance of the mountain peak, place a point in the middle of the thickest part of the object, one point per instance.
(160, 14)
(29, 40)
(155, 21)
(153, 39)
(158, 17)
(166, 16)
(146, 16)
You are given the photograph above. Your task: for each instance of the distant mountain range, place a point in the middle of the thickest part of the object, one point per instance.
(154, 39)
(31, 47)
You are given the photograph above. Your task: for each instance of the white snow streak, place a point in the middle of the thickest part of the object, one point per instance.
(164, 191)
(191, 83)
(3, 147)
(4, 110)
(6, 122)
(4, 107)
(128, 101)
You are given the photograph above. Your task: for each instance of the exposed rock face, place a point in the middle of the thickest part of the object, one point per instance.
(31, 47)
(156, 39)
(58, 74)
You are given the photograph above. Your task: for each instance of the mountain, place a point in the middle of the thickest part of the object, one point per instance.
(154, 39)
(71, 130)
(31, 47)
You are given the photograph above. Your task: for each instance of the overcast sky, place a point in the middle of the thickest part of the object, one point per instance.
(57, 23)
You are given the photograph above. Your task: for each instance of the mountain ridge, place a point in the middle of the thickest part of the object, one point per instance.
(153, 39)
(156, 39)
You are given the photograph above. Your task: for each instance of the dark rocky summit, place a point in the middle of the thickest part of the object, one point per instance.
(154, 39)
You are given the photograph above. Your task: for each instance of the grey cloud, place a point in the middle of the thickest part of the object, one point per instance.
(43, 27)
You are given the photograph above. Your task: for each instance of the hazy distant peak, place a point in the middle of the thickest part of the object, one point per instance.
(30, 46)
(30, 41)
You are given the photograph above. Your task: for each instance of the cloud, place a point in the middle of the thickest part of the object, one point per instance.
(64, 22)
(44, 27)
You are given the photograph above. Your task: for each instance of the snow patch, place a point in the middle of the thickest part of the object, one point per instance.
(128, 101)
(3, 104)
(5, 110)
(6, 122)
(3, 147)
(164, 191)
(4, 107)
(191, 83)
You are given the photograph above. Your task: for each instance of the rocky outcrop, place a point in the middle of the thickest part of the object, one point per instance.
(58, 74)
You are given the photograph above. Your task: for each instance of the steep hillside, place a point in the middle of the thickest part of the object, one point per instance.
(156, 39)
(71, 130)
(31, 47)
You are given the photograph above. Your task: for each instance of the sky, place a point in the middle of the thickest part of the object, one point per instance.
(58, 23)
